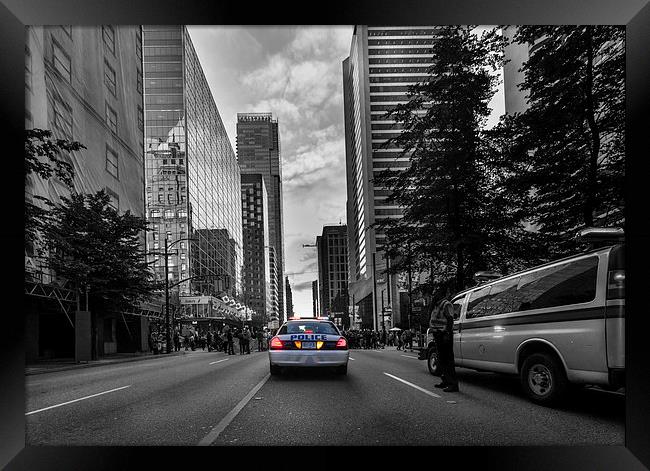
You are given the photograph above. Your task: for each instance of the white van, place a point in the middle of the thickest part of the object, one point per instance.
(553, 325)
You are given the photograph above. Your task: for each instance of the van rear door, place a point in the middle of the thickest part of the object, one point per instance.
(615, 311)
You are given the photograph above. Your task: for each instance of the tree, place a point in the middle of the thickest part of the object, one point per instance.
(93, 246)
(456, 220)
(569, 144)
(43, 158)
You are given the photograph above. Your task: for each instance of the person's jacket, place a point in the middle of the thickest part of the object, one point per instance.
(442, 318)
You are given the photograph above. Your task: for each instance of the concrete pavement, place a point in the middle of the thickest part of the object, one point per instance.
(387, 398)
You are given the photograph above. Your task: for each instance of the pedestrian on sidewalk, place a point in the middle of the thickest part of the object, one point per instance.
(177, 341)
(260, 340)
(208, 340)
(153, 343)
(247, 340)
(231, 342)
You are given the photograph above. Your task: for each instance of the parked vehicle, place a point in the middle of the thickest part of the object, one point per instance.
(554, 325)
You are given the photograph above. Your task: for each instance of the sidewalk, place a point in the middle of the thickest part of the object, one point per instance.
(49, 366)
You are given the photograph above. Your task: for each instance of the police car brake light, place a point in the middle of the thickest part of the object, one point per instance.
(342, 343)
(276, 344)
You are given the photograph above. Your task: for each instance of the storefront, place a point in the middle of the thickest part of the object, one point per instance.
(203, 313)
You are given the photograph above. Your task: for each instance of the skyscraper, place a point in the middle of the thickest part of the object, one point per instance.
(289, 297)
(258, 151)
(192, 176)
(260, 290)
(332, 248)
(383, 62)
(314, 298)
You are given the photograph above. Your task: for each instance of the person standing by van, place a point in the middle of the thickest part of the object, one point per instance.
(443, 321)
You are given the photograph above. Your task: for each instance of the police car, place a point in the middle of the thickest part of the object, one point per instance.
(308, 342)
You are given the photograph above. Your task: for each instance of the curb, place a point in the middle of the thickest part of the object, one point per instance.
(98, 363)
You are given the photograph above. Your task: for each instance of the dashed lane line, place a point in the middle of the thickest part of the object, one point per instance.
(219, 361)
(351, 358)
(413, 385)
(76, 400)
(221, 426)
(409, 356)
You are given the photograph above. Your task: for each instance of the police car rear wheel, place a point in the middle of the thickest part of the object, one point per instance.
(275, 369)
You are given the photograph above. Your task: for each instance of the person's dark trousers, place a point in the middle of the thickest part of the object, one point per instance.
(231, 348)
(447, 367)
(247, 347)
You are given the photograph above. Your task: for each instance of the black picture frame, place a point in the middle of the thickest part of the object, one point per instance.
(635, 14)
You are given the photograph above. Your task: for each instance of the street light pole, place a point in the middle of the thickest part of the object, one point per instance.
(168, 339)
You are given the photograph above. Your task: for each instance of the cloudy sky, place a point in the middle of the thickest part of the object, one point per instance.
(295, 73)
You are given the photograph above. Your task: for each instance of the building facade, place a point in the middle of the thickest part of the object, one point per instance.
(258, 152)
(383, 62)
(85, 84)
(314, 299)
(191, 172)
(260, 290)
(332, 246)
(289, 297)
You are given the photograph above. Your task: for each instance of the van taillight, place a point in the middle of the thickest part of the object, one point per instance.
(276, 344)
(616, 284)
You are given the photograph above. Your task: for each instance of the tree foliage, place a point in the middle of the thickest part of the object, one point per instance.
(93, 246)
(457, 218)
(43, 159)
(566, 150)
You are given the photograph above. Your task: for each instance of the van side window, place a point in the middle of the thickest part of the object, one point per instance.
(457, 304)
(478, 303)
(503, 297)
(570, 283)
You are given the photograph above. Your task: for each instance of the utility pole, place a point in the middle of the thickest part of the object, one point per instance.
(168, 338)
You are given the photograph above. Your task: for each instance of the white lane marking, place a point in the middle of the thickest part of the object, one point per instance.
(221, 426)
(219, 361)
(75, 400)
(409, 356)
(351, 358)
(413, 385)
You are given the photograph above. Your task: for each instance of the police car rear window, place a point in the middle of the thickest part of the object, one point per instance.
(308, 328)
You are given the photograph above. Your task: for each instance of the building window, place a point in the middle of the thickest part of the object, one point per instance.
(109, 78)
(108, 34)
(115, 199)
(138, 45)
(154, 235)
(28, 69)
(155, 214)
(111, 162)
(161, 197)
(169, 213)
(61, 61)
(111, 118)
(62, 118)
(156, 245)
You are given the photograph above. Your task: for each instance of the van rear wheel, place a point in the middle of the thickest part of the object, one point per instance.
(543, 378)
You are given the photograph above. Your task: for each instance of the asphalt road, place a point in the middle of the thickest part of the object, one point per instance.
(387, 398)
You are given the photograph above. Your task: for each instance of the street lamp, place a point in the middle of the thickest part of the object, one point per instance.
(166, 254)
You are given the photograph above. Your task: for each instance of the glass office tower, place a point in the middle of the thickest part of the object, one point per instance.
(191, 171)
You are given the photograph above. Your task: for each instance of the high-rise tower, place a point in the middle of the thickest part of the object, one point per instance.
(258, 151)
